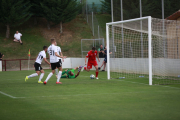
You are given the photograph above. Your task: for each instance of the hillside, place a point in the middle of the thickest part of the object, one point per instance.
(36, 36)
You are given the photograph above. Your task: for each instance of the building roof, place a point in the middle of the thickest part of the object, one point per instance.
(174, 16)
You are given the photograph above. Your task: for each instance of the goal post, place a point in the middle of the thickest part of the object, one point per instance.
(113, 30)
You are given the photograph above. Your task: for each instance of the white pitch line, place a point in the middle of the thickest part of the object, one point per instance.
(7, 95)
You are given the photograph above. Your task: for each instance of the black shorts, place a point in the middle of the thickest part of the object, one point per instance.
(105, 60)
(54, 65)
(37, 67)
(60, 62)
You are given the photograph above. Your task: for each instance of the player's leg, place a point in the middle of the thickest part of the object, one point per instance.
(104, 66)
(89, 66)
(56, 70)
(101, 65)
(105, 61)
(20, 41)
(37, 69)
(15, 40)
(32, 75)
(59, 65)
(53, 67)
(96, 67)
(41, 76)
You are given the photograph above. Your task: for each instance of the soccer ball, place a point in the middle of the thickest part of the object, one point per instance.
(92, 76)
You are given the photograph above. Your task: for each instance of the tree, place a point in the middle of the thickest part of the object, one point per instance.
(106, 4)
(94, 8)
(59, 11)
(14, 13)
(36, 9)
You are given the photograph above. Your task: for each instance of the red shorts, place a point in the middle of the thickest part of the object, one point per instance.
(89, 65)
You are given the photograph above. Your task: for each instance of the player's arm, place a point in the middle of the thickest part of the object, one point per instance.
(87, 56)
(46, 61)
(85, 60)
(60, 55)
(77, 74)
(110, 53)
(98, 57)
(99, 51)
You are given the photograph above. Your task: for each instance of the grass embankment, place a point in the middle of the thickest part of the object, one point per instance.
(36, 36)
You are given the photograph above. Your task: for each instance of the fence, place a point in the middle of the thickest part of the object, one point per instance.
(89, 12)
(20, 64)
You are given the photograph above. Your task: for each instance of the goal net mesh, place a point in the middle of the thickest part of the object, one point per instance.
(128, 43)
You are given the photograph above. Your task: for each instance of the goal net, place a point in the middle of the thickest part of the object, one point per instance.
(144, 48)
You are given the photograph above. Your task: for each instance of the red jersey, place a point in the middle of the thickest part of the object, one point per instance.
(92, 56)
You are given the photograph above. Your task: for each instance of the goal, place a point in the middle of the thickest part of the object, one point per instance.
(145, 48)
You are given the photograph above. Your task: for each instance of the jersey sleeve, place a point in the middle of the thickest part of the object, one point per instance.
(14, 35)
(59, 49)
(44, 55)
(87, 55)
(99, 49)
(20, 34)
(96, 53)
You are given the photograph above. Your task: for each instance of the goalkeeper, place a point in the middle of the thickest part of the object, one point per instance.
(70, 73)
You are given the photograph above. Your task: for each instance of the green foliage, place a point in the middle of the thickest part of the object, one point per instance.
(36, 7)
(94, 8)
(57, 11)
(14, 13)
(106, 4)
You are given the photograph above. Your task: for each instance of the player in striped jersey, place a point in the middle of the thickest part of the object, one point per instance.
(52, 50)
(37, 65)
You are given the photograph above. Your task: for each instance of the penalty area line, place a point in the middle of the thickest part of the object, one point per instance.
(7, 95)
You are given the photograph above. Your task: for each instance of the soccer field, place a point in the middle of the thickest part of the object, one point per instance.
(86, 99)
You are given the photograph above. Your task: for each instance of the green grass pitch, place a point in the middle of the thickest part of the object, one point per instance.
(86, 99)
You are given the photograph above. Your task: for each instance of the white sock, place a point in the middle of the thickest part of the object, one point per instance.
(33, 75)
(56, 71)
(59, 76)
(41, 76)
(49, 76)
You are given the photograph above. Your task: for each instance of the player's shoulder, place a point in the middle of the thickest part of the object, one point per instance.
(43, 52)
(49, 47)
(58, 47)
(90, 52)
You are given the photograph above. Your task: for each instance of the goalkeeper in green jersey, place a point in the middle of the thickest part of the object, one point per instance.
(70, 73)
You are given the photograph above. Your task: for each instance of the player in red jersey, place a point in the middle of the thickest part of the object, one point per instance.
(92, 54)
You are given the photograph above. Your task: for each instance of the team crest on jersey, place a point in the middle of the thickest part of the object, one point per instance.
(95, 53)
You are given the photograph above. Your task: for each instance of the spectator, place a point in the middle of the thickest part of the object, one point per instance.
(17, 37)
(100, 51)
(1, 56)
(105, 59)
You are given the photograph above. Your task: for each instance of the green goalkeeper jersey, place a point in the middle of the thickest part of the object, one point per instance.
(69, 76)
